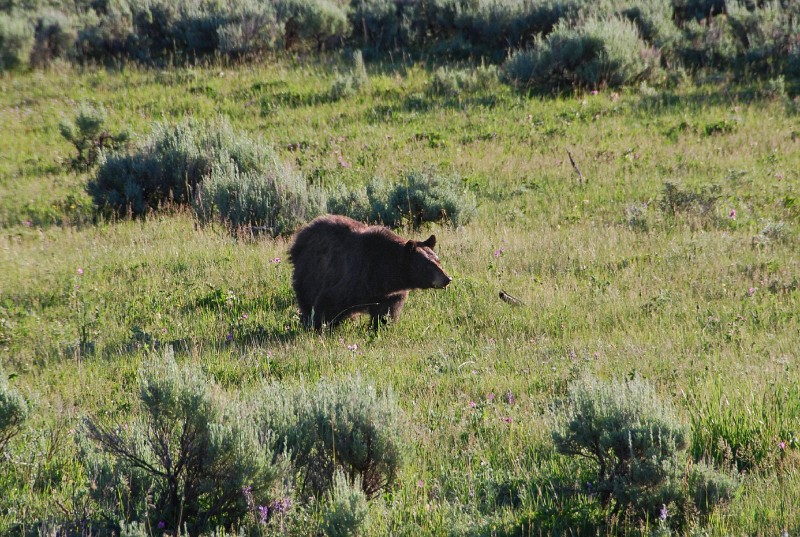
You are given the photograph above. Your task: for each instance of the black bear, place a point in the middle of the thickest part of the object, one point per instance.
(343, 267)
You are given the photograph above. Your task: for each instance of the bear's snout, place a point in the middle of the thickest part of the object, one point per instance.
(442, 281)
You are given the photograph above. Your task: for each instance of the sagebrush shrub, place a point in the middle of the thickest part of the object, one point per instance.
(250, 27)
(354, 202)
(89, 136)
(55, 37)
(170, 163)
(426, 196)
(16, 41)
(346, 509)
(763, 34)
(454, 82)
(708, 43)
(353, 82)
(677, 199)
(109, 35)
(312, 22)
(13, 411)
(377, 24)
(591, 53)
(344, 426)
(192, 455)
(420, 196)
(637, 446)
(275, 199)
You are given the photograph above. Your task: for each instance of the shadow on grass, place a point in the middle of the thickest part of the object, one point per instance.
(561, 507)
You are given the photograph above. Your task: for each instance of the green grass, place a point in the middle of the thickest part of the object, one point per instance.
(692, 304)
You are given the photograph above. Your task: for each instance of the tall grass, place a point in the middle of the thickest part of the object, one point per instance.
(694, 306)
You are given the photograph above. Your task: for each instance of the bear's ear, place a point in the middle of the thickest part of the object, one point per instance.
(410, 245)
(431, 242)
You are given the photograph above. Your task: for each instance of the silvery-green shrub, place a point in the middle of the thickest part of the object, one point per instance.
(426, 196)
(16, 41)
(275, 199)
(352, 82)
(345, 426)
(193, 453)
(594, 52)
(169, 164)
(346, 510)
(54, 37)
(88, 135)
(13, 411)
(312, 22)
(638, 448)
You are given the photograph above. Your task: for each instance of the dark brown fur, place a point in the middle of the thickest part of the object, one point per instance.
(343, 267)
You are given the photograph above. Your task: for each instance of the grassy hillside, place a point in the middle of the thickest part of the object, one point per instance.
(693, 287)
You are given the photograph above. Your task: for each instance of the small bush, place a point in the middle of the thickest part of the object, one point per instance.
(638, 448)
(353, 202)
(377, 24)
(763, 34)
(108, 36)
(276, 199)
(343, 426)
(636, 216)
(677, 200)
(708, 43)
(710, 487)
(421, 196)
(170, 163)
(425, 196)
(55, 37)
(346, 510)
(597, 52)
(349, 84)
(192, 454)
(16, 41)
(89, 137)
(13, 411)
(251, 27)
(312, 22)
(453, 82)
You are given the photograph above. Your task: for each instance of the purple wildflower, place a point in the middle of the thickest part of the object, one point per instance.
(663, 514)
(420, 483)
(275, 260)
(263, 513)
(353, 347)
(280, 506)
(162, 524)
(229, 337)
(247, 492)
(490, 397)
(510, 399)
(499, 252)
(733, 214)
(751, 291)
(506, 419)
(472, 404)
(782, 445)
(80, 271)
(244, 316)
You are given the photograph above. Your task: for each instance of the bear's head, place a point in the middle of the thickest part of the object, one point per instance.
(424, 268)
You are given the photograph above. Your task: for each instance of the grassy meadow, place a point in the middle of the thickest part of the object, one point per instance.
(619, 276)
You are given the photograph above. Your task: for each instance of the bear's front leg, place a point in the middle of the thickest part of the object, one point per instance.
(391, 306)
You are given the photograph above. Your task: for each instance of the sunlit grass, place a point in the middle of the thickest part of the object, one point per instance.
(691, 304)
